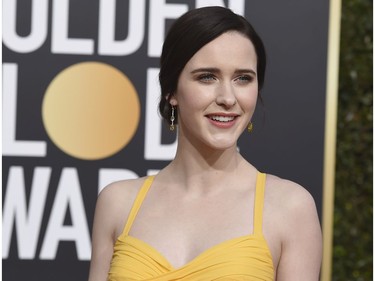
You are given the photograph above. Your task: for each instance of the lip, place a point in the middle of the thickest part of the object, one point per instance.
(224, 124)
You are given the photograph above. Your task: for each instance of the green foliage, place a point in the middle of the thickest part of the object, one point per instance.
(352, 249)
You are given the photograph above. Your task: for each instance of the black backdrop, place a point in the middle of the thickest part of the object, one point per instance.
(49, 188)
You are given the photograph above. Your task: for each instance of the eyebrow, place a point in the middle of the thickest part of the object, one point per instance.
(217, 70)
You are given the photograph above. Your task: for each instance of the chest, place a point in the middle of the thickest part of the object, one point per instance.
(241, 258)
(183, 228)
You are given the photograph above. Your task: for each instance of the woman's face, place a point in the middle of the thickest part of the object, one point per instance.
(217, 92)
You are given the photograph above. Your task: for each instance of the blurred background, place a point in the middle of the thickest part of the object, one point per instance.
(353, 211)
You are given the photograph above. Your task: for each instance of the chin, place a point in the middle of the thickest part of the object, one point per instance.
(222, 144)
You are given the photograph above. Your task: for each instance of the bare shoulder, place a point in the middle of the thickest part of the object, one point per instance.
(112, 208)
(115, 201)
(293, 229)
(120, 190)
(291, 205)
(288, 195)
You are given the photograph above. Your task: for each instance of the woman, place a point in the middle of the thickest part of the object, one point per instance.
(210, 214)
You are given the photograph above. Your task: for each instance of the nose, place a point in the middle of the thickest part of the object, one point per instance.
(226, 95)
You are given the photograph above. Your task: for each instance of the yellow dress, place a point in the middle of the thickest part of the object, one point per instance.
(243, 258)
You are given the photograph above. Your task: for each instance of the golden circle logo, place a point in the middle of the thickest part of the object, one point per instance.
(91, 110)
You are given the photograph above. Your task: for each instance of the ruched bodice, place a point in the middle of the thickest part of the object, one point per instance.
(242, 258)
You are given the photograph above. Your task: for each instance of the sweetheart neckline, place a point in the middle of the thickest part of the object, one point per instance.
(200, 255)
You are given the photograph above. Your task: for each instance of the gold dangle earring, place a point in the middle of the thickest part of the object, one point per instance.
(172, 118)
(250, 127)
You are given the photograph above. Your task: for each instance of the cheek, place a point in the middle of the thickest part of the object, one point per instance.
(189, 105)
(248, 100)
(192, 96)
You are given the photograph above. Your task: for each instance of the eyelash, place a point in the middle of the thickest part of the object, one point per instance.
(245, 78)
(206, 77)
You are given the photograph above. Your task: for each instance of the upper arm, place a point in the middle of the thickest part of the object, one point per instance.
(302, 242)
(103, 235)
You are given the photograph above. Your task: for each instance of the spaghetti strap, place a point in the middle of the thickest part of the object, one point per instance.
(259, 203)
(137, 203)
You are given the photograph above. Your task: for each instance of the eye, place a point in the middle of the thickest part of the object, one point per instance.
(244, 78)
(206, 77)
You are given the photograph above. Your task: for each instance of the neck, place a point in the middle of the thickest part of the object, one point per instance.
(205, 168)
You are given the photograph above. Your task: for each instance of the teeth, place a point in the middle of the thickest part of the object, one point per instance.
(222, 118)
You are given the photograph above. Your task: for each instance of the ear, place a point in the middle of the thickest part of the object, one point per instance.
(172, 99)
